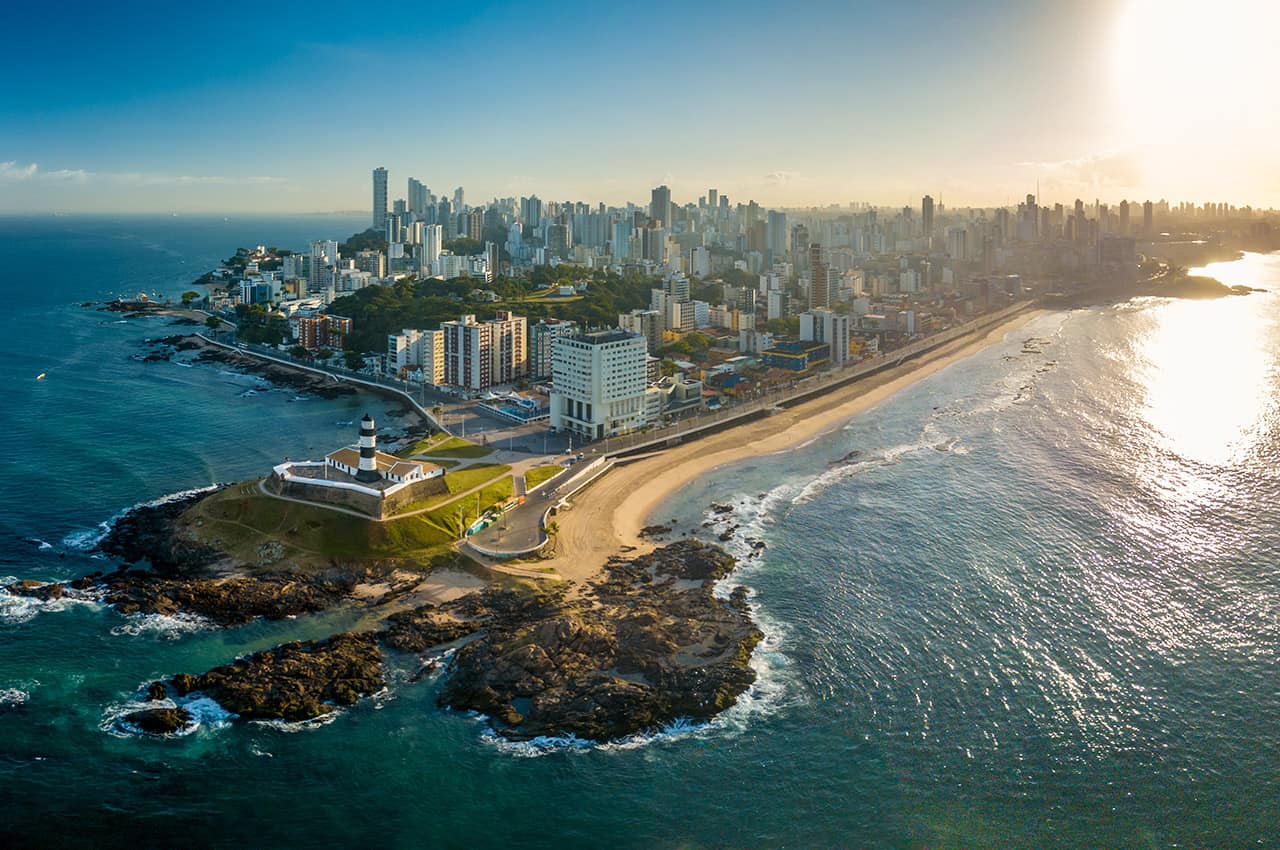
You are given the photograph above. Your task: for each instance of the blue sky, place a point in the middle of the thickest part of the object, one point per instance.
(286, 107)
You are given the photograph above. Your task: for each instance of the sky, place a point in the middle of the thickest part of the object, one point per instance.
(286, 107)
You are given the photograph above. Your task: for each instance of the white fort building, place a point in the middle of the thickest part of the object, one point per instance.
(359, 477)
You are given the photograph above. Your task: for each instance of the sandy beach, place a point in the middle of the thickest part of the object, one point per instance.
(605, 519)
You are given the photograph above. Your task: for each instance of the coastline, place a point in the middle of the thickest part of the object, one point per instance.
(624, 500)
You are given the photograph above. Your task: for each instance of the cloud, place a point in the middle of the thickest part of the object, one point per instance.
(1099, 170)
(11, 171)
(780, 178)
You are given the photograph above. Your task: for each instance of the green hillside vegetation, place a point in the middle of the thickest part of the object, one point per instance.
(376, 311)
(240, 519)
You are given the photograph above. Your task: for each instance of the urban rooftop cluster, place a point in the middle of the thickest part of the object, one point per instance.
(722, 300)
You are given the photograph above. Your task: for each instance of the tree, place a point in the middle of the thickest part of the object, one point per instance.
(213, 323)
(355, 360)
(299, 352)
(324, 354)
(188, 297)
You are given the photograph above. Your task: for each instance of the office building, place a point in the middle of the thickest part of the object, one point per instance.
(598, 383)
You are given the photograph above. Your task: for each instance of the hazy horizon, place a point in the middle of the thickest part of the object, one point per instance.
(288, 110)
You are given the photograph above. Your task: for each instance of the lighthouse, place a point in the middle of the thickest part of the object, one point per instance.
(368, 446)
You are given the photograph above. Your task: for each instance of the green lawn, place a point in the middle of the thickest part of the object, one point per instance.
(458, 482)
(240, 519)
(462, 480)
(538, 474)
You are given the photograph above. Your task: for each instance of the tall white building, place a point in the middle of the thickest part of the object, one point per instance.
(412, 349)
(478, 355)
(598, 383)
(831, 328)
(700, 262)
(429, 252)
(322, 264)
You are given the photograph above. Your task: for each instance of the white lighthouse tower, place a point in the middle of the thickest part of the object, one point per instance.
(368, 446)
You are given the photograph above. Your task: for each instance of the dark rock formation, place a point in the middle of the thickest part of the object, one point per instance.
(158, 721)
(421, 628)
(36, 589)
(295, 681)
(225, 601)
(653, 645)
(146, 534)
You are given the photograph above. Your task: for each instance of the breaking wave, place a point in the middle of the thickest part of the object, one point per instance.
(165, 626)
(205, 713)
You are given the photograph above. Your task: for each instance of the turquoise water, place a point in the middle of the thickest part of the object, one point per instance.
(1039, 609)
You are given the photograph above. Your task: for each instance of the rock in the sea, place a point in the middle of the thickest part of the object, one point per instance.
(158, 721)
(36, 589)
(226, 601)
(295, 681)
(655, 645)
(156, 691)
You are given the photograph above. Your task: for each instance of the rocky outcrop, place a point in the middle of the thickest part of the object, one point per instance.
(229, 601)
(295, 681)
(648, 643)
(425, 627)
(157, 721)
(147, 534)
(36, 589)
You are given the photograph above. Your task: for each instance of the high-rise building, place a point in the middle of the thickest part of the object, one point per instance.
(819, 279)
(542, 337)
(713, 198)
(1124, 218)
(777, 236)
(1147, 223)
(379, 197)
(417, 198)
(620, 243)
(412, 350)
(478, 355)
(660, 205)
(598, 381)
(831, 328)
(646, 323)
(926, 215)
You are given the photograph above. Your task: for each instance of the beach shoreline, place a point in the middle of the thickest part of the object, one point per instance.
(605, 519)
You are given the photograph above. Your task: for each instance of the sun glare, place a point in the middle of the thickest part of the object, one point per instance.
(1192, 88)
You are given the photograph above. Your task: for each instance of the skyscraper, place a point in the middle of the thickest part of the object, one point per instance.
(820, 279)
(379, 197)
(417, 198)
(1124, 218)
(1146, 218)
(660, 205)
(926, 215)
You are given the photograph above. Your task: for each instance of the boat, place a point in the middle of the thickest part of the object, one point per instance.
(40, 377)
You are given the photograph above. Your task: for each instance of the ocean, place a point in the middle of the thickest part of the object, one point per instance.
(1031, 601)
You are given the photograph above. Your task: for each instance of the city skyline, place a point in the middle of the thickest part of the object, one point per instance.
(148, 113)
